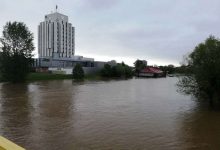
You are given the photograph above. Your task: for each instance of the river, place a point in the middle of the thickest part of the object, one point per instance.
(135, 114)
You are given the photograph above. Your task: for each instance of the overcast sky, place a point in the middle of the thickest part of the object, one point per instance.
(159, 31)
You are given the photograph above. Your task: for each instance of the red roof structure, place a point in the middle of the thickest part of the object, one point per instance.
(151, 70)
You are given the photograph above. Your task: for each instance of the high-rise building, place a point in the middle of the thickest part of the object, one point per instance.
(56, 47)
(56, 37)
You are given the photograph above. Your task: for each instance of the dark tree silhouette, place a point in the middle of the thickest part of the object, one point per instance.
(16, 57)
(78, 72)
(139, 65)
(203, 78)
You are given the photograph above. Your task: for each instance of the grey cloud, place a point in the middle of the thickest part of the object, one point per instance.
(156, 29)
(99, 4)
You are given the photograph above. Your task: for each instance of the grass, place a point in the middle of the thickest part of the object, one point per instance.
(47, 76)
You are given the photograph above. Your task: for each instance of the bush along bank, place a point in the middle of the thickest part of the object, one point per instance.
(118, 71)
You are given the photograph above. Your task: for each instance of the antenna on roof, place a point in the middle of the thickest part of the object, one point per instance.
(56, 8)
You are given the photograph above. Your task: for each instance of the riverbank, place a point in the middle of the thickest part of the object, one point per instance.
(49, 76)
(43, 77)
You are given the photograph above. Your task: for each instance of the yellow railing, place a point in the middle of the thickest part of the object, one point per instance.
(5, 144)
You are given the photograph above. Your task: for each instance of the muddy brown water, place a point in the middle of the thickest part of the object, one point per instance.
(135, 114)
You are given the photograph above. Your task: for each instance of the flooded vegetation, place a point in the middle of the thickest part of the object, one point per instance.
(126, 114)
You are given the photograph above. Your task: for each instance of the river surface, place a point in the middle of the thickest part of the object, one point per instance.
(135, 114)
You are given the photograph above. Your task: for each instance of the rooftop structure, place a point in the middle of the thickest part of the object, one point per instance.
(152, 72)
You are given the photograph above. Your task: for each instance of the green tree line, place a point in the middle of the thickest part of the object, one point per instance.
(120, 70)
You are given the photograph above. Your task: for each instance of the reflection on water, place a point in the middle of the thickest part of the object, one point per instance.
(201, 128)
(15, 112)
(127, 114)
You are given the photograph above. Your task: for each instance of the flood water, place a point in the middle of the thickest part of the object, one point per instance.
(131, 114)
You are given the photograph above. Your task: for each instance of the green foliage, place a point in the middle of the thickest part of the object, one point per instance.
(78, 72)
(119, 71)
(139, 65)
(128, 71)
(169, 69)
(203, 78)
(182, 69)
(16, 57)
(106, 71)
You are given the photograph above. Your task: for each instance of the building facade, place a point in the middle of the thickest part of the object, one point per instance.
(56, 47)
(56, 37)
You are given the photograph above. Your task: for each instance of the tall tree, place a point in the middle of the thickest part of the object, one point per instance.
(203, 78)
(16, 58)
(139, 65)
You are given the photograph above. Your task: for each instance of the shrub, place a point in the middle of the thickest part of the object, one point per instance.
(78, 72)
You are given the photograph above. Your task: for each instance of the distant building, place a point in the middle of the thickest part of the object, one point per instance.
(112, 63)
(56, 37)
(171, 66)
(144, 62)
(152, 72)
(56, 47)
